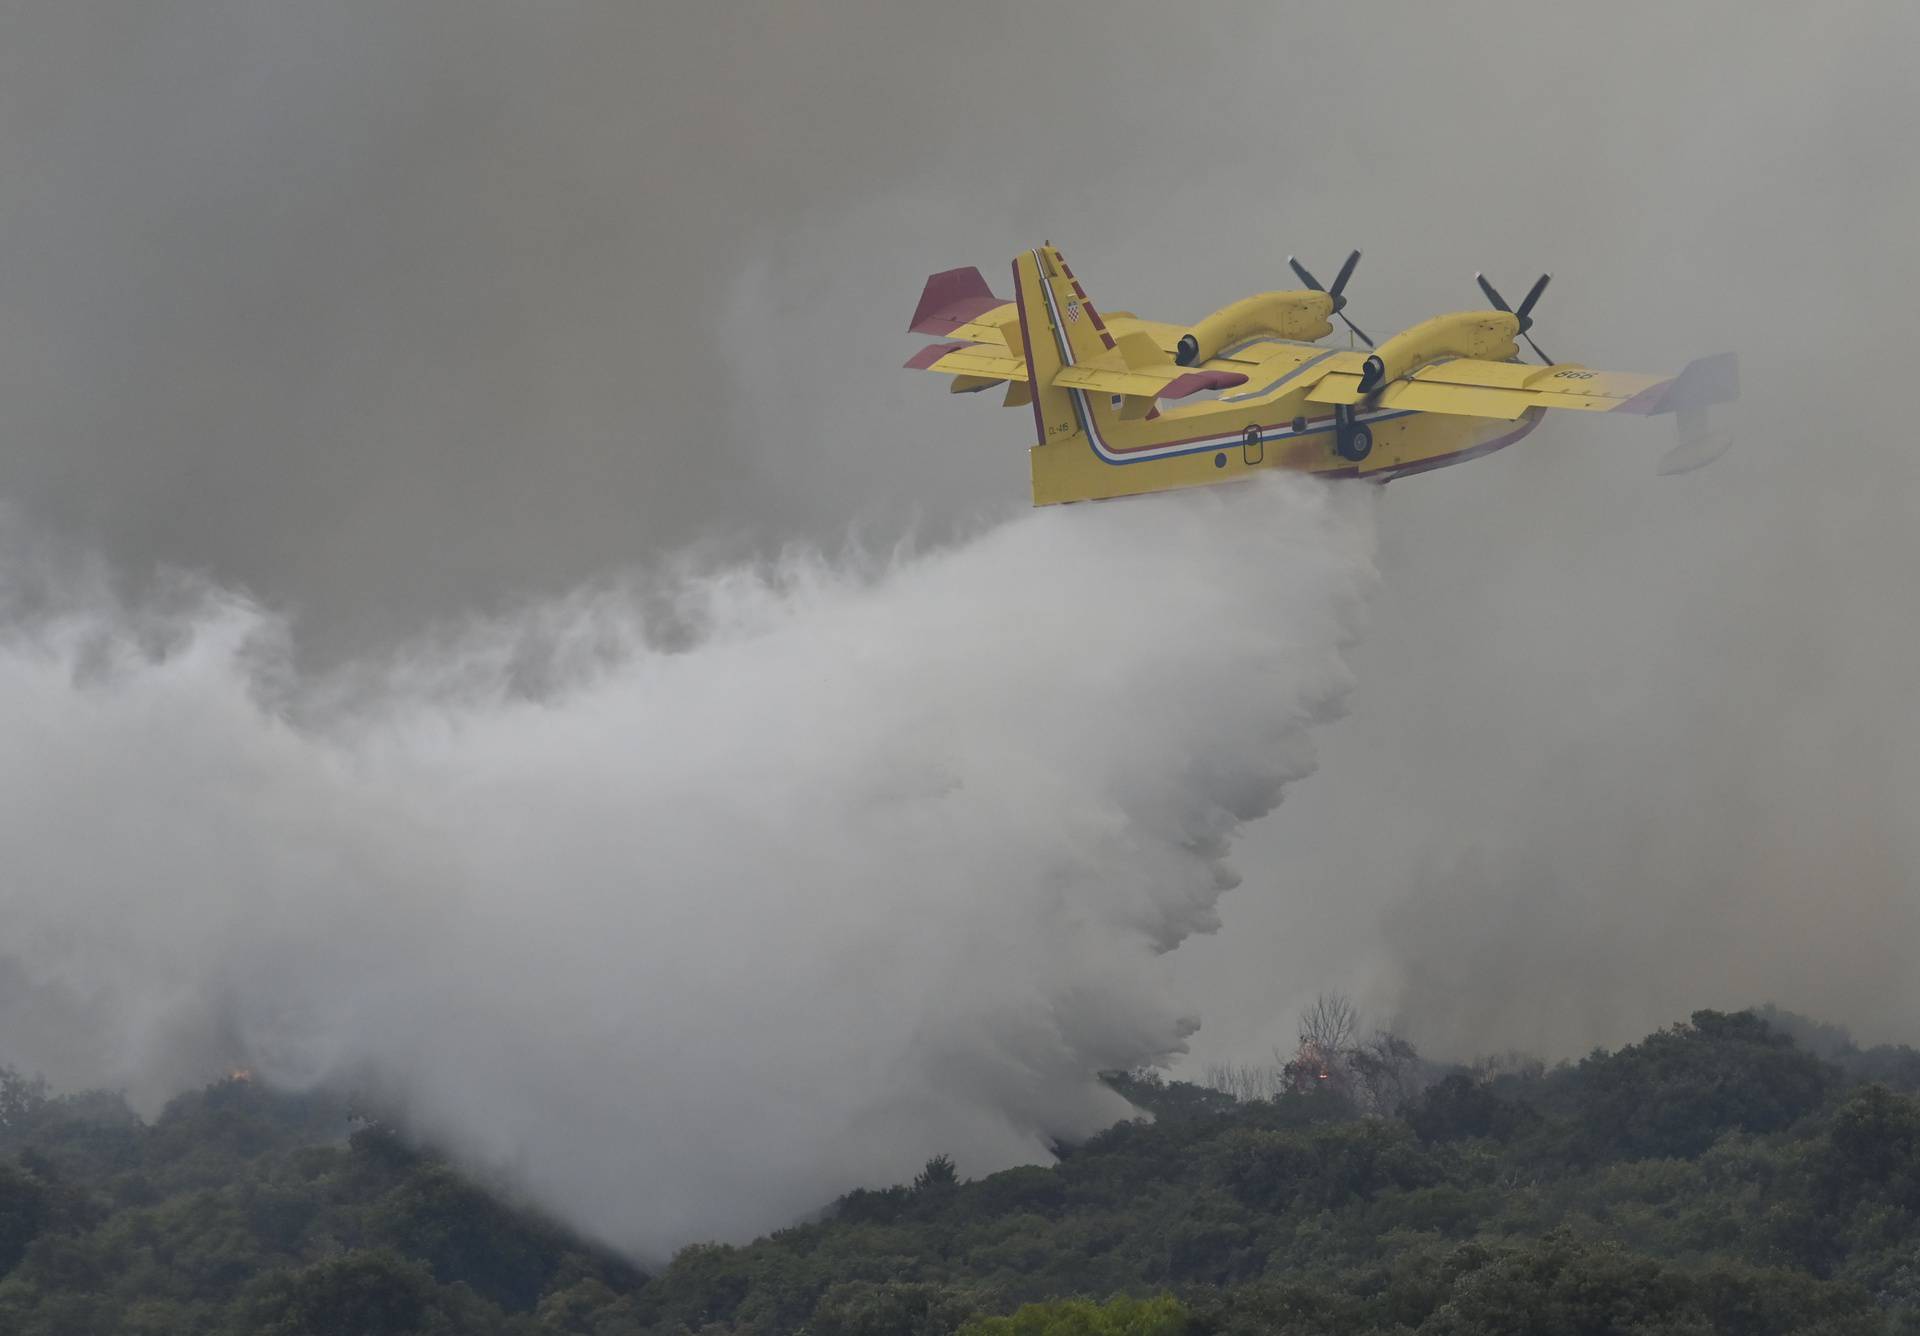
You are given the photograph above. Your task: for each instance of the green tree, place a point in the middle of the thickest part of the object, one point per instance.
(1559, 1287)
(24, 1207)
(892, 1308)
(1681, 1088)
(1162, 1316)
(939, 1175)
(22, 1100)
(467, 1236)
(1323, 1167)
(375, 1293)
(1873, 1148)
(1460, 1106)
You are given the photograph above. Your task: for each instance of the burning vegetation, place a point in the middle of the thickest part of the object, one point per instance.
(1374, 1075)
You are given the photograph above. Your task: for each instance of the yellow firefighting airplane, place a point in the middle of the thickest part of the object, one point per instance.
(1447, 390)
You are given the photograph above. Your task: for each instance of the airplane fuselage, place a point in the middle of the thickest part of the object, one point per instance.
(1239, 435)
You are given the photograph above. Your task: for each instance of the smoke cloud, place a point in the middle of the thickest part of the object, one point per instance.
(879, 860)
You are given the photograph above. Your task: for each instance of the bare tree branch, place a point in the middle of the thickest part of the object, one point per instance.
(1330, 1024)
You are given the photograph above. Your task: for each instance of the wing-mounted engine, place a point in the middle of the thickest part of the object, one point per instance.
(1303, 316)
(1485, 335)
(1139, 371)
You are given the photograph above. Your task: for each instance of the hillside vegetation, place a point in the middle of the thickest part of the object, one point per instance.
(1716, 1176)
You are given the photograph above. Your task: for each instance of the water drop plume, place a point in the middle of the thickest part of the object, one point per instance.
(686, 920)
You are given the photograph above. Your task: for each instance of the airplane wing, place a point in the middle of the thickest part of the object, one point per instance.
(1474, 388)
(984, 349)
(1168, 382)
(978, 366)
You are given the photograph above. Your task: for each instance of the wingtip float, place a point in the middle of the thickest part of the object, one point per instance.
(1105, 391)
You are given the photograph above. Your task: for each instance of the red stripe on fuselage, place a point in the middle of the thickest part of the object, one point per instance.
(1026, 341)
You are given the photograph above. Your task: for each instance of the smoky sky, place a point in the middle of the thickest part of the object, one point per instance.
(395, 314)
(384, 312)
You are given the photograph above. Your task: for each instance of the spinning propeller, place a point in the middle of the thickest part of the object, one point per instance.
(1525, 314)
(1339, 286)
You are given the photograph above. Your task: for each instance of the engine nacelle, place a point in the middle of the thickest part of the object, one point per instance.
(1486, 335)
(1287, 315)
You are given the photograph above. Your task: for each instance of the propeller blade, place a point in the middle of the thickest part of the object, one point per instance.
(1499, 302)
(1339, 282)
(1544, 359)
(1533, 295)
(1346, 272)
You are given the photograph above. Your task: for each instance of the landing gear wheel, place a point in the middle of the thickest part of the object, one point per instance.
(1355, 442)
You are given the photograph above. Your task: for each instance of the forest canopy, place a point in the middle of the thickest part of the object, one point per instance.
(1745, 1172)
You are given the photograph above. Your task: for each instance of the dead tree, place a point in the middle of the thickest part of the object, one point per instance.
(1330, 1024)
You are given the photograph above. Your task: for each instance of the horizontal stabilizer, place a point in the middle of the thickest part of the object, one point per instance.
(933, 352)
(951, 299)
(969, 359)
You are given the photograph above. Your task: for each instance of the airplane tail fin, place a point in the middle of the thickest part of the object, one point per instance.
(1059, 328)
(1080, 334)
(1048, 328)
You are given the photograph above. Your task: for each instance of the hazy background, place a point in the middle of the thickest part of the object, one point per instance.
(391, 314)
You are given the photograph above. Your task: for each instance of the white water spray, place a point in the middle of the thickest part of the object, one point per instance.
(879, 865)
